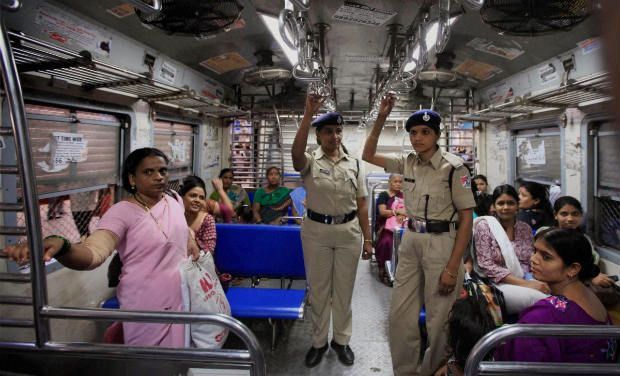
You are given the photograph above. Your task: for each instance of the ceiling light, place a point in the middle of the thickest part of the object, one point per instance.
(272, 24)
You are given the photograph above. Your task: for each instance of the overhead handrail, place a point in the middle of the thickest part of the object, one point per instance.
(473, 4)
(443, 26)
(286, 22)
(474, 365)
(301, 4)
(146, 8)
(13, 6)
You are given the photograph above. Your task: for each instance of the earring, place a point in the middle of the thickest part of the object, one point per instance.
(133, 187)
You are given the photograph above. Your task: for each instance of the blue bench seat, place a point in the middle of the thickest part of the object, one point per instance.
(266, 303)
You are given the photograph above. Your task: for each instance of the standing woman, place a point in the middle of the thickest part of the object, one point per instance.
(272, 202)
(331, 235)
(437, 190)
(149, 232)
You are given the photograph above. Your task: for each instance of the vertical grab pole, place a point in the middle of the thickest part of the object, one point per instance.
(30, 198)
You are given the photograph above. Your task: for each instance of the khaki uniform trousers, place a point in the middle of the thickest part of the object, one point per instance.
(331, 255)
(421, 260)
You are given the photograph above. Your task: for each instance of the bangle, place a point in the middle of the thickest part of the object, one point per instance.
(367, 241)
(66, 245)
(450, 273)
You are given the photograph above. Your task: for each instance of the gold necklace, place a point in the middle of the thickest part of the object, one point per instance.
(148, 210)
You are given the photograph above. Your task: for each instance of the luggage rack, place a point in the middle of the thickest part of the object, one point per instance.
(585, 91)
(40, 58)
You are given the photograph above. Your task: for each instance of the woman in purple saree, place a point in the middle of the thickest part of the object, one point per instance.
(563, 259)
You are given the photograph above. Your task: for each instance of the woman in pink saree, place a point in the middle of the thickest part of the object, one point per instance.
(149, 231)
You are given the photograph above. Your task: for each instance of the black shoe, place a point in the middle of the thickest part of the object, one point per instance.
(314, 356)
(345, 354)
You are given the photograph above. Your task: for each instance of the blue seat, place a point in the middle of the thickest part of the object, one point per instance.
(259, 251)
(256, 251)
(111, 303)
(264, 303)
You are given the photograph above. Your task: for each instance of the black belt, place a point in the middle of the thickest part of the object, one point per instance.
(331, 219)
(431, 226)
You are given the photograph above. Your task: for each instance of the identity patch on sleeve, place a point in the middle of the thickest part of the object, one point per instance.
(466, 181)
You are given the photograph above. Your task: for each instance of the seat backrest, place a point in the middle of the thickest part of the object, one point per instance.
(259, 251)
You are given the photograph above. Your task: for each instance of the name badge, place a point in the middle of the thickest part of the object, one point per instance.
(323, 171)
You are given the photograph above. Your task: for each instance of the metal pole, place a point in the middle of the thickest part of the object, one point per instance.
(490, 340)
(238, 328)
(30, 199)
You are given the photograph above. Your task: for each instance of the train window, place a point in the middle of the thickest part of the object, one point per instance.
(607, 187)
(73, 149)
(176, 140)
(242, 148)
(538, 155)
(76, 157)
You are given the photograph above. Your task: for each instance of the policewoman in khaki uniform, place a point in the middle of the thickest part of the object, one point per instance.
(436, 186)
(332, 231)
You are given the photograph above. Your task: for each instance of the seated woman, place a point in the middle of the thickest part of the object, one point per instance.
(480, 183)
(563, 260)
(150, 234)
(534, 206)
(272, 202)
(569, 214)
(469, 321)
(201, 222)
(237, 195)
(221, 210)
(392, 214)
(503, 249)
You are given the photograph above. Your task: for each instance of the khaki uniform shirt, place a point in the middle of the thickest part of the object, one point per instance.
(332, 187)
(428, 180)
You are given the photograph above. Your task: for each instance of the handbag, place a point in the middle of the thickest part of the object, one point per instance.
(483, 289)
(203, 293)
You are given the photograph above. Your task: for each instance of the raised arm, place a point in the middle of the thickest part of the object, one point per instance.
(298, 150)
(224, 199)
(370, 147)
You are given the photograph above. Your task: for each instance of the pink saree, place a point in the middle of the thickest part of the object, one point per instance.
(151, 247)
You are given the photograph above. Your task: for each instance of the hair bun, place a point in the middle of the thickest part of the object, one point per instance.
(590, 272)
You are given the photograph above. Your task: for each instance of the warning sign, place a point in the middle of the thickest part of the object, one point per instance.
(362, 14)
(64, 148)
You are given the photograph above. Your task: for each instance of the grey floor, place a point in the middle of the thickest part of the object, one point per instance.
(371, 300)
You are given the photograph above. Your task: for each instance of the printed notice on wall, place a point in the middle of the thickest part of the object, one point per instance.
(167, 72)
(179, 150)
(64, 148)
(66, 29)
(529, 154)
(547, 73)
(362, 14)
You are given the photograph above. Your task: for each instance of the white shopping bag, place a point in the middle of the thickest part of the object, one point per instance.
(203, 293)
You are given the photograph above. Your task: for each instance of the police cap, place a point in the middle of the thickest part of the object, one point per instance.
(424, 117)
(330, 118)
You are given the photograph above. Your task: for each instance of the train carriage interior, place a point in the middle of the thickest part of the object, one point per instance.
(527, 91)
